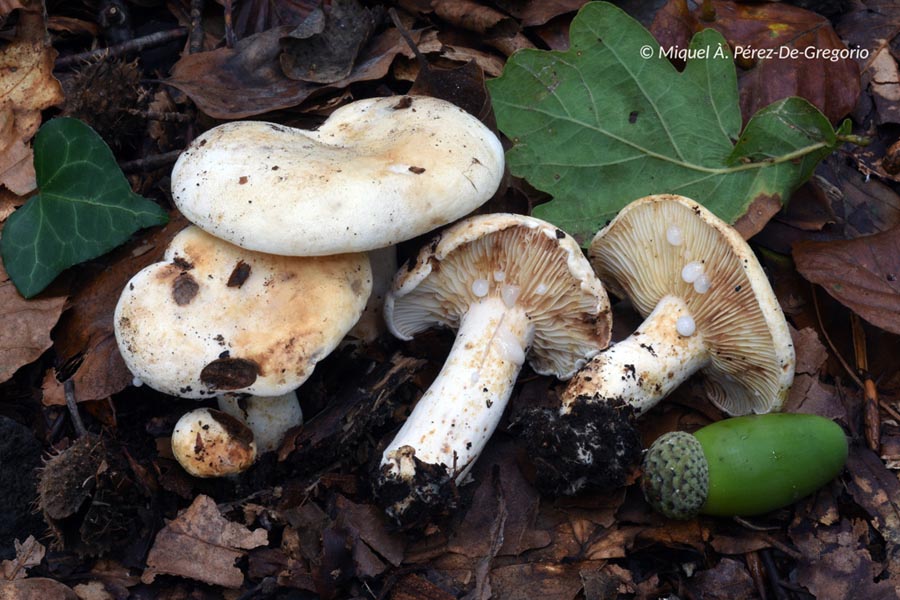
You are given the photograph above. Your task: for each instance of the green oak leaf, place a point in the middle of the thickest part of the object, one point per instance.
(85, 207)
(611, 120)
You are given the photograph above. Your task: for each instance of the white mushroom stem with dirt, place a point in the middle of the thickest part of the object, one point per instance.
(708, 308)
(514, 287)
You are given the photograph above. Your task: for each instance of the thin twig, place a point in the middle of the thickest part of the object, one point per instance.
(404, 33)
(136, 45)
(72, 404)
(155, 115)
(150, 163)
(872, 416)
(831, 345)
(196, 39)
(230, 37)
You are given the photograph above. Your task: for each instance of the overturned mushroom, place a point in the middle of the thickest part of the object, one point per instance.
(213, 318)
(708, 307)
(377, 172)
(513, 286)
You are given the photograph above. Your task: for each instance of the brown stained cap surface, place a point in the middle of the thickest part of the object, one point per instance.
(538, 264)
(185, 328)
(752, 356)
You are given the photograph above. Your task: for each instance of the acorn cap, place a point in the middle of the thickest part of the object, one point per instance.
(377, 172)
(214, 318)
(525, 262)
(676, 475)
(642, 254)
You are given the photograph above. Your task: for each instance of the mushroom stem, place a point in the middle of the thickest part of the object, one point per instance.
(644, 368)
(456, 416)
(268, 417)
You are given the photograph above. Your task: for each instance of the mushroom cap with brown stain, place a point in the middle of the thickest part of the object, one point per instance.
(377, 172)
(214, 318)
(211, 443)
(522, 260)
(751, 364)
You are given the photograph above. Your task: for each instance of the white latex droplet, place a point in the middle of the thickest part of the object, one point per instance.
(480, 287)
(136, 382)
(701, 284)
(499, 275)
(674, 235)
(509, 294)
(475, 376)
(509, 347)
(541, 289)
(685, 326)
(691, 271)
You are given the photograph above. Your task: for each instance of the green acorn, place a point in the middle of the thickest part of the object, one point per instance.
(742, 466)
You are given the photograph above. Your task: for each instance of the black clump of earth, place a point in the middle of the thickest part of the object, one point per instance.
(411, 505)
(20, 456)
(593, 447)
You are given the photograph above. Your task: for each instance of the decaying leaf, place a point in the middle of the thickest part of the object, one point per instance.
(234, 83)
(863, 274)
(538, 12)
(26, 88)
(324, 47)
(783, 51)
(36, 588)
(29, 554)
(25, 333)
(873, 25)
(201, 544)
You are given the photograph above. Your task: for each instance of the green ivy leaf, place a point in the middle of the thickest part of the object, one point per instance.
(611, 120)
(85, 207)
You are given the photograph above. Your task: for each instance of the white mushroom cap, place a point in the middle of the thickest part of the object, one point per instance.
(377, 172)
(214, 318)
(642, 254)
(268, 417)
(210, 443)
(523, 261)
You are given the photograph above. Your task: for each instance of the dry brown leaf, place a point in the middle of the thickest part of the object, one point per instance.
(29, 554)
(234, 83)
(727, 580)
(538, 12)
(25, 334)
(85, 333)
(811, 396)
(201, 544)
(324, 47)
(36, 588)
(836, 563)
(811, 353)
(27, 88)
(863, 274)
(521, 499)
(536, 580)
(832, 86)
(873, 25)
(7, 6)
(368, 524)
(877, 491)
